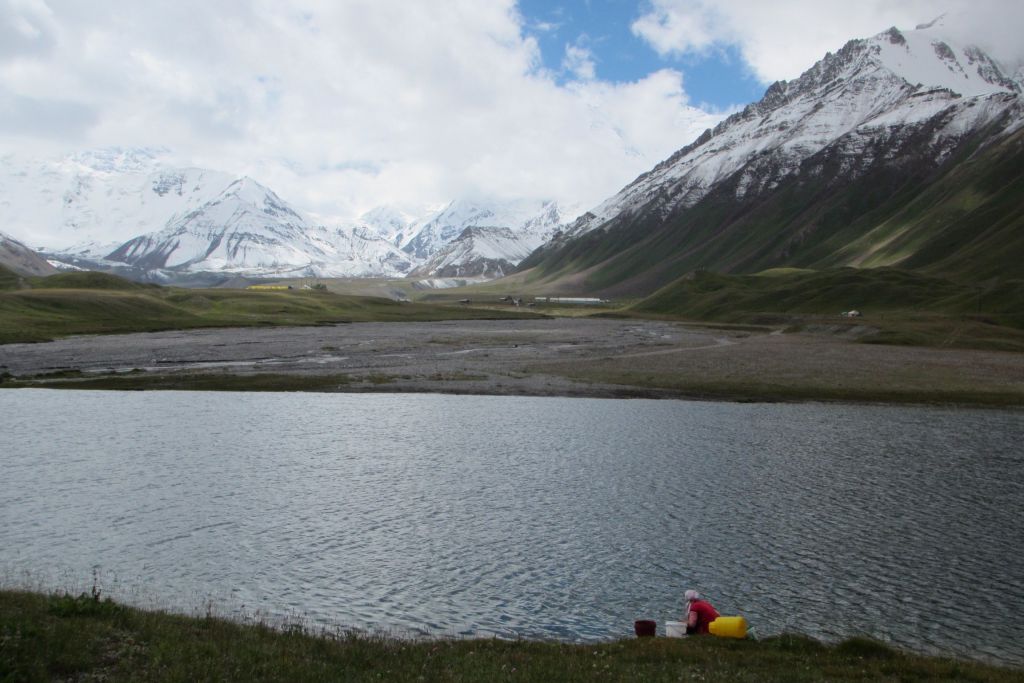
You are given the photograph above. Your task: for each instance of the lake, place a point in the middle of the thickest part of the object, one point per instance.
(525, 517)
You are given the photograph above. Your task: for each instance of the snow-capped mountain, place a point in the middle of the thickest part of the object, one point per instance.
(247, 229)
(17, 257)
(891, 80)
(485, 252)
(427, 237)
(363, 252)
(89, 202)
(133, 210)
(478, 253)
(774, 184)
(388, 222)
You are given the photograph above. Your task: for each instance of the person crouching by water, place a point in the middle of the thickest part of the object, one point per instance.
(699, 613)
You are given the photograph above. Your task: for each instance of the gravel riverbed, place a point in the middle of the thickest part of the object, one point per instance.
(559, 356)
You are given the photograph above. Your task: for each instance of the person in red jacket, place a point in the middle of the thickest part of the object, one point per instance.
(699, 613)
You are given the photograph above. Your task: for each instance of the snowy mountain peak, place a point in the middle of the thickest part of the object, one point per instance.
(922, 60)
(479, 253)
(929, 58)
(474, 239)
(89, 202)
(870, 88)
(426, 238)
(388, 222)
(247, 229)
(246, 191)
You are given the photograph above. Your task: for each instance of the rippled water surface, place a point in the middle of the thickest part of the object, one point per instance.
(536, 517)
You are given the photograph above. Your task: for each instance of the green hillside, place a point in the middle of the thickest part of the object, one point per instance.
(714, 296)
(967, 223)
(9, 279)
(907, 307)
(960, 219)
(89, 280)
(96, 303)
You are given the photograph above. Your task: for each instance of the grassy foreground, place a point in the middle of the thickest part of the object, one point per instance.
(45, 638)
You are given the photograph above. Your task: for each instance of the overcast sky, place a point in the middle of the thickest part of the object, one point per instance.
(343, 105)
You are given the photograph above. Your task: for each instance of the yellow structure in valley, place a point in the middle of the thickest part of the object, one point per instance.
(729, 627)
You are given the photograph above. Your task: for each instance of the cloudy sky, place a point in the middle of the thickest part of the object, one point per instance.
(343, 105)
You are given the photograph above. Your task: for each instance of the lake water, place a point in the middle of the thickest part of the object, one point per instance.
(533, 517)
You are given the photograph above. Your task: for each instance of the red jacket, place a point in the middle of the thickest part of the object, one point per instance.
(705, 615)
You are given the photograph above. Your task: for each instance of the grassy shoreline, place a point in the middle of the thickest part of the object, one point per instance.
(59, 637)
(604, 386)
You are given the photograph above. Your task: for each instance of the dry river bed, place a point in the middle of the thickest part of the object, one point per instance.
(563, 356)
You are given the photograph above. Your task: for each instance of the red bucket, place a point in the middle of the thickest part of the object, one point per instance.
(645, 628)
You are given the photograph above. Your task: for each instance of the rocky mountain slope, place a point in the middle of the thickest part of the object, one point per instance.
(902, 149)
(18, 258)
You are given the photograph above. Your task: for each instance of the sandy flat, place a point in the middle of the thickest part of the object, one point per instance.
(564, 356)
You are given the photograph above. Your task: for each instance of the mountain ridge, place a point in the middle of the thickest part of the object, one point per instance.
(779, 183)
(128, 210)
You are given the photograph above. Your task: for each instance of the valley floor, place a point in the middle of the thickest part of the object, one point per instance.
(542, 357)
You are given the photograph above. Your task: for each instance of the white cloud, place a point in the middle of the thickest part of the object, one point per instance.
(26, 27)
(579, 61)
(337, 106)
(341, 106)
(43, 117)
(780, 39)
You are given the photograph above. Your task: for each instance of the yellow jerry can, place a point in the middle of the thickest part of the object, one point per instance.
(729, 627)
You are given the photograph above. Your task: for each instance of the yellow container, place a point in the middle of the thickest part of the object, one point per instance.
(729, 627)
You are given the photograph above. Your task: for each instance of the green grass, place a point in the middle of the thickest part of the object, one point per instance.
(9, 279)
(141, 381)
(97, 303)
(781, 272)
(684, 383)
(88, 280)
(138, 380)
(47, 638)
(905, 307)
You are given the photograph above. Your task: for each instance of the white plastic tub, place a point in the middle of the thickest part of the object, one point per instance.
(675, 629)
